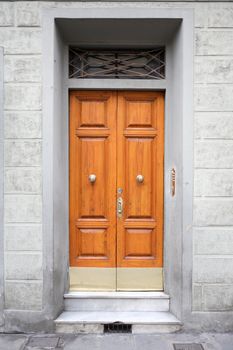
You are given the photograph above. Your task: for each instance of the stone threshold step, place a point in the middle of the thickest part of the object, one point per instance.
(104, 317)
(92, 322)
(116, 295)
(116, 301)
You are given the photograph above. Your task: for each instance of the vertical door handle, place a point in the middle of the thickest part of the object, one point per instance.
(119, 207)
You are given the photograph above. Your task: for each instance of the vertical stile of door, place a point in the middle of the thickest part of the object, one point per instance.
(140, 124)
(93, 204)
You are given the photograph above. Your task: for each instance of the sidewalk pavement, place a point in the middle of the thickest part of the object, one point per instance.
(209, 341)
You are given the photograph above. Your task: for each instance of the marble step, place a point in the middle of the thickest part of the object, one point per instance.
(93, 322)
(116, 301)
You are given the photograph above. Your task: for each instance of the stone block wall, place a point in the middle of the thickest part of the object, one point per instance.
(22, 175)
(213, 202)
(20, 36)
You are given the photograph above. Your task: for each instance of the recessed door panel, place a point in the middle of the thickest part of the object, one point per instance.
(93, 159)
(139, 113)
(139, 242)
(92, 243)
(93, 113)
(139, 155)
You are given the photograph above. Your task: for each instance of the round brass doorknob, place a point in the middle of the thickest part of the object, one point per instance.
(140, 178)
(92, 178)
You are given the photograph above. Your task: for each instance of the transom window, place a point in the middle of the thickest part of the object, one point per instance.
(117, 64)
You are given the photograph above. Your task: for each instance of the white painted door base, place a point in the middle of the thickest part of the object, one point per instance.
(87, 312)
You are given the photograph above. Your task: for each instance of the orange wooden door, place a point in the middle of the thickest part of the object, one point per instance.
(93, 204)
(118, 137)
(140, 175)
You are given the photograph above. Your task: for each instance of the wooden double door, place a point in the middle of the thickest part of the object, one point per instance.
(116, 190)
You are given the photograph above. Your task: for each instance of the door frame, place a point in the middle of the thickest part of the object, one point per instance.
(178, 88)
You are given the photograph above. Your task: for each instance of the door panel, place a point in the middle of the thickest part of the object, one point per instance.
(92, 153)
(139, 155)
(140, 152)
(92, 243)
(92, 204)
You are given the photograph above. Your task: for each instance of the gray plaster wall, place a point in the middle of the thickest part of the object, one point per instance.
(29, 297)
(1, 194)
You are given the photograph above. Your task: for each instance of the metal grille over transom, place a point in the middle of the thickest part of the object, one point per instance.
(117, 64)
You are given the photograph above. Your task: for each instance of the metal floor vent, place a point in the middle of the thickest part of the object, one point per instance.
(117, 327)
(189, 346)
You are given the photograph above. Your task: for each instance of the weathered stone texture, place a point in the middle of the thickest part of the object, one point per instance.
(217, 297)
(213, 182)
(220, 15)
(28, 14)
(22, 97)
(23, 208)
(212, 69)
(23, 237)
(23, 180)
(200, 14)
(214, 154)
(214, 125)
(212, 297)
(197, 297)
(24, 124)
(44, 342)
(213, 241)
(213, 270)
(20, 41)
(79, 328)
(22, 68)
(23, 153)
(213, 212)
(13, 342)
(23, 266)
(214, 98)
(6, 14)
(22, 103)
(23, 295)
(214, 42)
